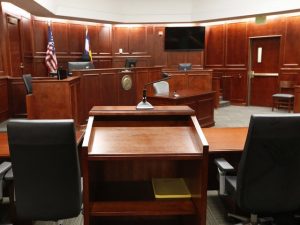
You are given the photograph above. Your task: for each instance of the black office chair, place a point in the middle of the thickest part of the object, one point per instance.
(268, 177)
(45, 169)
(4, 168)
(27, 81)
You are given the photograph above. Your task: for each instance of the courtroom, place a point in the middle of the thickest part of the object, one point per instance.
(140, 112)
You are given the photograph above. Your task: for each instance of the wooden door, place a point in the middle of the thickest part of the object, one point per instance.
(264, 67)
(14, 46)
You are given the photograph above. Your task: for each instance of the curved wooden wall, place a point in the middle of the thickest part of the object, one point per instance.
(227, 50)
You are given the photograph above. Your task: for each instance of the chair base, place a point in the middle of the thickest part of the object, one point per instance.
(253, 220)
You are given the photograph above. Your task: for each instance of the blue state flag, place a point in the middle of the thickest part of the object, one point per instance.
(87, 53)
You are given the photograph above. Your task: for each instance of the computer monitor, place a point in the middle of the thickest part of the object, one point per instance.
(129, 63)
(185, 66)
(79, 66)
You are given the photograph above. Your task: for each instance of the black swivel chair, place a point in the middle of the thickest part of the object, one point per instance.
(27, 81)
(45, 169)
(4, 168)
(268, 177)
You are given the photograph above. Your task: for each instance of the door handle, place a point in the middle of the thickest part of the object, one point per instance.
(22, 66)
(251, 74)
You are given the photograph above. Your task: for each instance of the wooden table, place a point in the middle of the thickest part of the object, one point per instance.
(4, 148)
(200, 101)
(227, 139)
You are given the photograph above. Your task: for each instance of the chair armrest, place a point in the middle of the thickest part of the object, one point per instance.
(223, 165)
(4, 167)
(9, 176)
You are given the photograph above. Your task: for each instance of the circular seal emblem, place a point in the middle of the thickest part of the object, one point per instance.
(126, 82)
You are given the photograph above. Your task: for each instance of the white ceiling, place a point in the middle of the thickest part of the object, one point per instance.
(155, 11)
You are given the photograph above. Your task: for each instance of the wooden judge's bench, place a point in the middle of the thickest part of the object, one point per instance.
(74, 96)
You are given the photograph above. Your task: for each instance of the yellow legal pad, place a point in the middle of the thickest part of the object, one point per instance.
(170, 188)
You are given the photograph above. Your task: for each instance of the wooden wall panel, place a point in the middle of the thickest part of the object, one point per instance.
(27, 45)
(290, 74)
(94, 34)
(76, 39)
(17, 95)
(120, 40)
(214, 47)
(236, 45)
(39, 37)
(4, 110)
(39, 67)
(61, 38)
(26, 34)
(138, 40)
(14, 39)
(159, 54)
(291, 53)
(196, 58)
(174, 58)
(3, 57)
(273, 26)
(105, 40)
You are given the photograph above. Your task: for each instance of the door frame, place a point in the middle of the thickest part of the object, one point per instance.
(249, 69)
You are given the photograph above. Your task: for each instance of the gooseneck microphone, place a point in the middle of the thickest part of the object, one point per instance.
(144, 104)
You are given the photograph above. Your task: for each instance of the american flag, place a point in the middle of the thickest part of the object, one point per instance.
(51, 61)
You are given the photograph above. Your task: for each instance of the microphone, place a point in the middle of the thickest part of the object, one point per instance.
(144, 105)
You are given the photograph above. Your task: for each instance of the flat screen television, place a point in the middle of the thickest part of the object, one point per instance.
(184, 38)
(130, 63)
(79, 66)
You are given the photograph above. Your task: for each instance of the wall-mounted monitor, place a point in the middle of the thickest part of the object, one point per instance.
(184, 38)
(79, 66)
(129, 63)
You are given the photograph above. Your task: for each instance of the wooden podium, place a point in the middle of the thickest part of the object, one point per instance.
(54, 99)
(124, 148)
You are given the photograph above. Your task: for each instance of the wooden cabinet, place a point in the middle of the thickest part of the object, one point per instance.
(123, 149)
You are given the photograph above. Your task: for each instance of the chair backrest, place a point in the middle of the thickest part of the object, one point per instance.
(27, 81)
(286, 86)
(161, 87)
(46, 169)
(268, 179)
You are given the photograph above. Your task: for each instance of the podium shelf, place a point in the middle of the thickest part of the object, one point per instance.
(143, 208)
